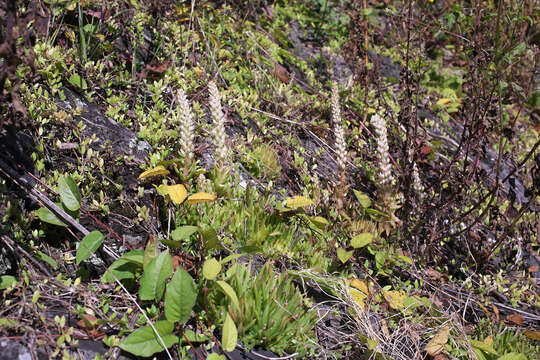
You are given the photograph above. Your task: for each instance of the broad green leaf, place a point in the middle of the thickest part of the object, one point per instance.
(211, 269)
(230, 334)
(144, 342)
(158, 170)
(183, 232)
(483, 346)
(512, 356)
(297, 201)
(318, 221)
(210, 238)
(229, 291)
(7, 281)
(343, 255)
(45, 215)
(125, 267)
(180, 297)
(178, 193)
(362, 198)
(200, 197)
(361, 240)
(154, 276)
(69, 193)
(134, 256)
(78, 81)
(89, 244)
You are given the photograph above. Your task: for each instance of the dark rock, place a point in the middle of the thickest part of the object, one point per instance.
(122, 141)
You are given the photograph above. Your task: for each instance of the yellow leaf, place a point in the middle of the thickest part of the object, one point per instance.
(178, 193)
(361, 285)
(443, 101)
(158, 170)
(359, 291)
(198, 71)
(358, 296)
(200, 197)
(437, 343)
(534, 335)
(297, 201)
(395, 299)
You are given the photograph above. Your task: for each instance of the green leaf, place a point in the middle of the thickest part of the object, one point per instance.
(343, 255)
(8, 323)
(362, 198)
(318, 221)
(214, 356)
(361, 240)
(297, 201)
(150, 251)
(180, 297)
(88, 246)
(193, 337)
(7, 281)
(46, 258)
(77, 81)
(230, 334)
(229, 291)
(512, 356)
(144, 342)
(483, 346)
(211, 269)
(69, 193)
(46, 216)
(209, 236)
(154, 276)
(183, 232)
(125, 267)
(250, 249)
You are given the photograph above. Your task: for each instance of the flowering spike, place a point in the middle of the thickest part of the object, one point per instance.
(338, 128)
(219, 121)
(383, 156)
(185, 119)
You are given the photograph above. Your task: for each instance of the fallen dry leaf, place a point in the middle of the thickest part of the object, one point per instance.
(515, 318)
(440, 357)
(533, 269)
(438, 342)
(281, 73)
(496, 312)
(534, 335)
(434, 274)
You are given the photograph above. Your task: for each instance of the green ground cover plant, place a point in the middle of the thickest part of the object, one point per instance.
(316, 178)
